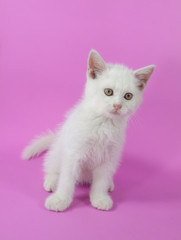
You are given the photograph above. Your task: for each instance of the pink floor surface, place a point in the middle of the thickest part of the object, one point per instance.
(43, 56)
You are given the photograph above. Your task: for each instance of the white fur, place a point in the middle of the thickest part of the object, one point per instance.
(88, 146)
(38, 145)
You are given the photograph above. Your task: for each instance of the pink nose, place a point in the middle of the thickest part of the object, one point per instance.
(116, 106)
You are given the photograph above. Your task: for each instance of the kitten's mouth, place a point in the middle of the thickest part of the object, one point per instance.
(115, 112)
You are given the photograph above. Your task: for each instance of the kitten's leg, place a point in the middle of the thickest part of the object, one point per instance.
(111, 186)
(62, 198)
(51, 169)
(50, 181)
(99, 196)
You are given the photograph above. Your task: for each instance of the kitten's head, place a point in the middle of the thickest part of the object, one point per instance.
(114, 90)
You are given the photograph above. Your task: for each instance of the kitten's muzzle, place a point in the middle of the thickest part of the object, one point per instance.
(117, 107)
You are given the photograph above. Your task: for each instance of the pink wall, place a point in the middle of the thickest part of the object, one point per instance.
(43, 55)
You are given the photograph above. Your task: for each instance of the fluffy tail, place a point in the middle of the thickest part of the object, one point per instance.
(38, 145)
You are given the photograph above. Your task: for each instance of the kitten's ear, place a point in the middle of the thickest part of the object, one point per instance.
(96, 64)
(143, 74)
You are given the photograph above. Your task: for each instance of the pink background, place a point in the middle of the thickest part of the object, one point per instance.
(43, 55)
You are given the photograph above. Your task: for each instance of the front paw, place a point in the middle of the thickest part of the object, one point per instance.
(102, 202)
(56, 202)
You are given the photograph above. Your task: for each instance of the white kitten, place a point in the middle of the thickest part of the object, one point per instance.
(87, 147)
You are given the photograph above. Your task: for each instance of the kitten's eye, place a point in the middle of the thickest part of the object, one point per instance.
(128, 96)
(108, 91)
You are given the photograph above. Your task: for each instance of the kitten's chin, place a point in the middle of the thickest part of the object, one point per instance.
(114, 115)
(118, 114)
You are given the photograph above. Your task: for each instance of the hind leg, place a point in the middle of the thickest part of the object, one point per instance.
(111, 186)
(52, 170)
(50, 182)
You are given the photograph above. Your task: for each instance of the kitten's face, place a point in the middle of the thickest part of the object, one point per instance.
(114, 90)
